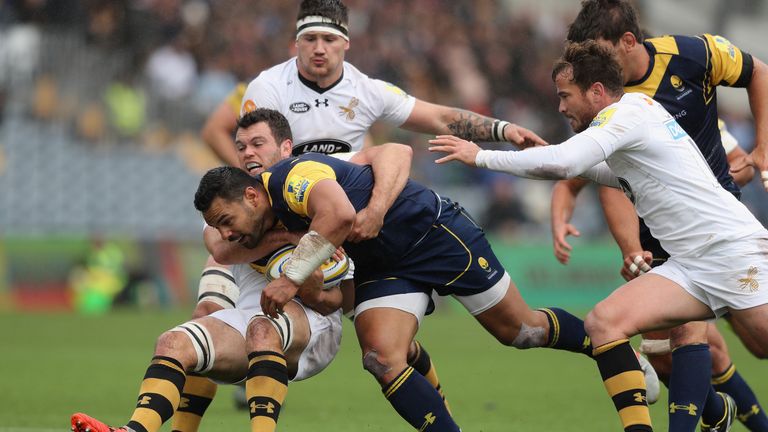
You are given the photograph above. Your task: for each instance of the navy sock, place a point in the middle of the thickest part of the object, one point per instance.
(566, 332)
(414, 398)
(750, 413)
(688, 386)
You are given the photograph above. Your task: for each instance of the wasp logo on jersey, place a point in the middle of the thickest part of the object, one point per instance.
(349, 110)
(674, 129)
(601, 119)
(749, 282)
(299, 107)
(627, 189)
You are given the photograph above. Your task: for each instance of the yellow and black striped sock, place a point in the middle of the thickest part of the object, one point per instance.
(625, 384)
(422, 363)
(159, 394)
(197, 395)
(266, 388)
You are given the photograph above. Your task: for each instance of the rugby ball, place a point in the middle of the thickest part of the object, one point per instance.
(333, 271)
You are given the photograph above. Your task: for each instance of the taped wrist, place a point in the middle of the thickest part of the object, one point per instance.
(312, 250)
(497, 131)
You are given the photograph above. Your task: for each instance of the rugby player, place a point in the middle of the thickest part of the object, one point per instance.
(717, 248)
(241, 343)
(681, 73)
(427, 244)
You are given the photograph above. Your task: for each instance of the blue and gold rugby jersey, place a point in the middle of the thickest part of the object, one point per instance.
(683, 74)
(289, 184)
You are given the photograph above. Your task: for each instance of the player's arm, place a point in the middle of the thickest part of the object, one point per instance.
(730, 66)
(436, 119)
(323, 301)
(758, 102)
(391, 165)
(332, 216)
(564, 195)
(625, 229)
(219, 129)
(226, 252)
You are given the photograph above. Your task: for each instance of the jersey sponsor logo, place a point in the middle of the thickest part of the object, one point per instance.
(321, 102)
(674, 129)
(299, 107)
(677, 83)
(396, 90)
(248, 106)
(297, 188)
(601, 119)
(627, 189)
(725, 45)
(326, 146)
(349, 110)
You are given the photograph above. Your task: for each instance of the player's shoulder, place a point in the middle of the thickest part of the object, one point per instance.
(276, 74)
(689, 47)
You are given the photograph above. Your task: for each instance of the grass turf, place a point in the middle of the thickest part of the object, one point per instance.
(57, 364)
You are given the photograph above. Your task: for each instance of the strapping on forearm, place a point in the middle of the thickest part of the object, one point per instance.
(312, 250)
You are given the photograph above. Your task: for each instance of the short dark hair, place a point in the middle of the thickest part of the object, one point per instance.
(589, 62)
(605, 19)
(277, 122)
(227, 183)
(334, 10)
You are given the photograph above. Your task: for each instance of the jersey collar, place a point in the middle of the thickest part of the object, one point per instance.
(313, 85)
(652, 54)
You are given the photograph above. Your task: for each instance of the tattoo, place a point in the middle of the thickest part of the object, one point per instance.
(471, 126)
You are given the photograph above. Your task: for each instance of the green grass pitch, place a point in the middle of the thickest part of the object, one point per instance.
(56, 364)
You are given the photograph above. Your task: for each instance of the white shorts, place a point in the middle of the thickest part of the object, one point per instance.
(324, 339)
(730, 275)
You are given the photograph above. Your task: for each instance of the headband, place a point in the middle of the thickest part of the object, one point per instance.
(323, 24)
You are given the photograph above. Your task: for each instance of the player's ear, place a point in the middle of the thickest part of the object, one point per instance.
(628, 40)
(286, 148)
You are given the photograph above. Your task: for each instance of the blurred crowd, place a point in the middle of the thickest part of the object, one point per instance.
(149, 71)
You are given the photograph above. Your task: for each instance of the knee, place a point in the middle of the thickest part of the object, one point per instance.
(262, 336)
(176, 345)
(688, 334)
(599, 320)
(383, 367)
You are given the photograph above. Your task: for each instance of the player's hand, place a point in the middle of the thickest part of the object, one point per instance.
(368, 223)
(522, 137)
(276, 294)
(338, 254)
(311, 290)
(636, 264)
(757, 159)
(456, 149)
(560, 244)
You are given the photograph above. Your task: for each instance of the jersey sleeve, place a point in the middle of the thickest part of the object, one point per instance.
(394, 104)
(300, 181)
(609, 129)
(729, 65)
(259, 94)
(235, 97)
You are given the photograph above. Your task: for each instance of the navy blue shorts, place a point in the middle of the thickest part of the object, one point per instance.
(454, 258)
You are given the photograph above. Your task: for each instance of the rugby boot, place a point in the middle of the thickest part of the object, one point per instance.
(85, 423)
(724, 425)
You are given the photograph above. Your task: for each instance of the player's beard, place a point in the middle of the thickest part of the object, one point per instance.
(256, 231)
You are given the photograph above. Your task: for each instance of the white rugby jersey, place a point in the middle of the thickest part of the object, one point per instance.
(329, 120)
(657, 165)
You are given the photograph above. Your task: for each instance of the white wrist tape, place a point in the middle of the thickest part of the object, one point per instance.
(497, 131)
(312, 250)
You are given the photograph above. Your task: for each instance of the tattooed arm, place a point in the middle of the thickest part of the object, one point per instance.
(442, 120)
